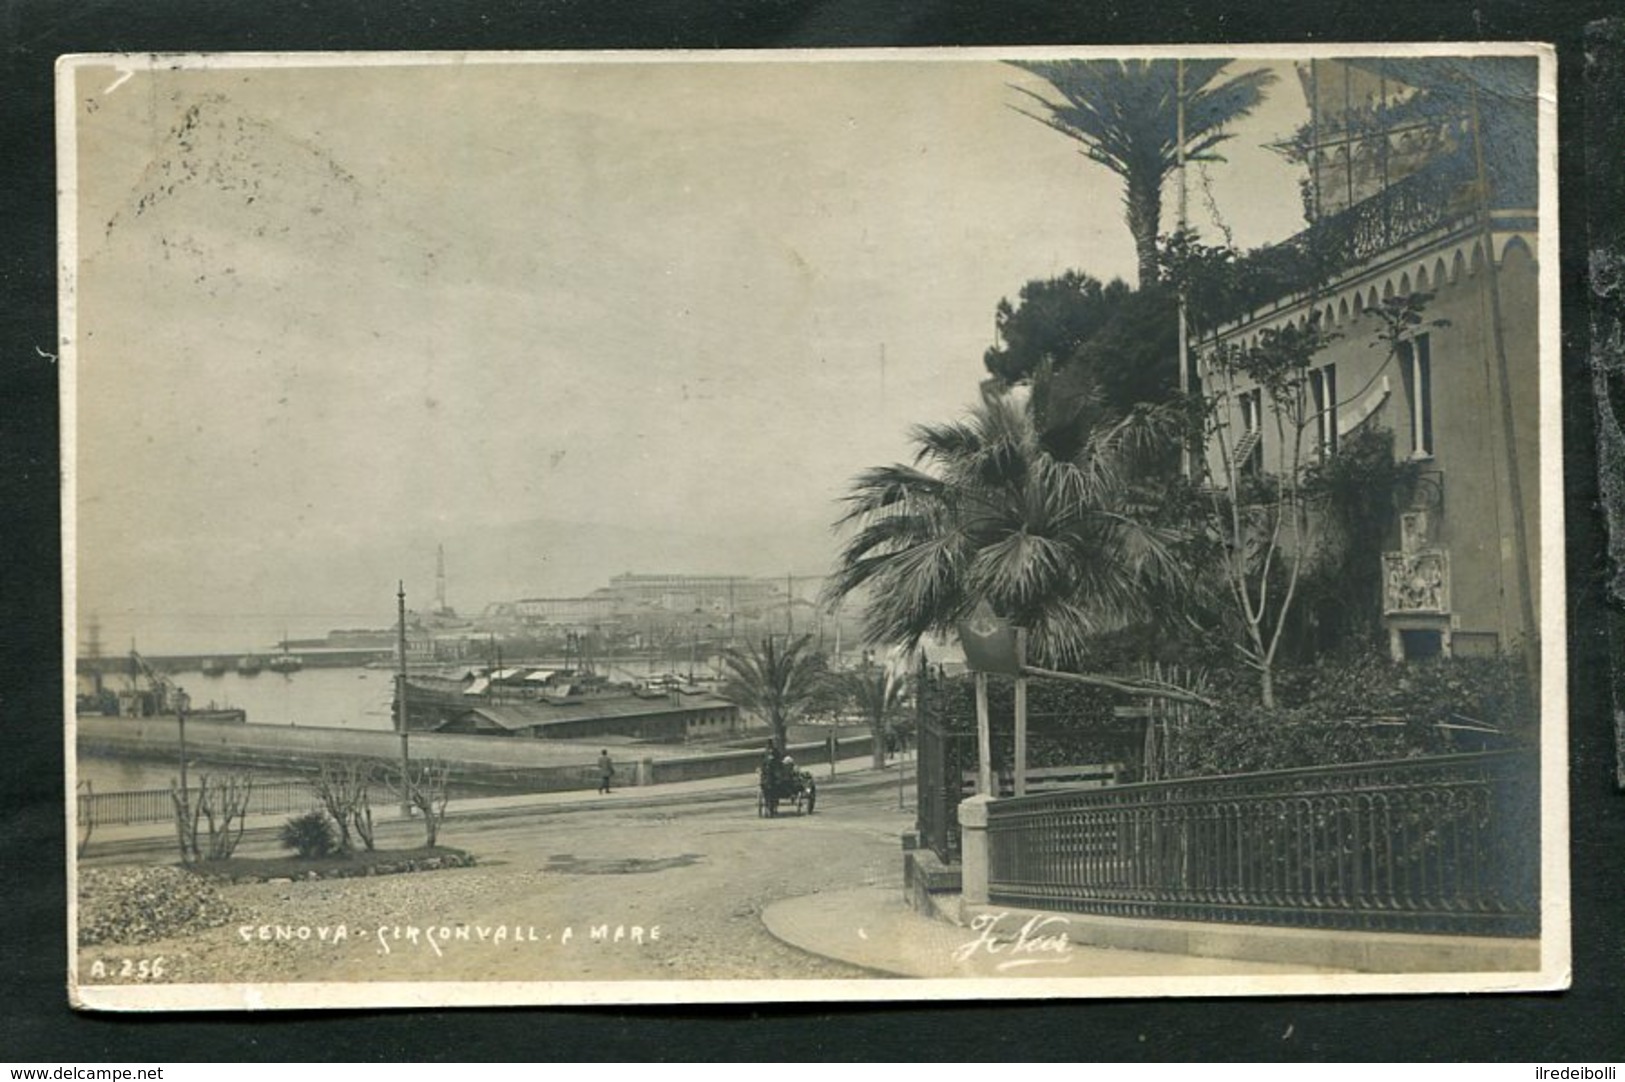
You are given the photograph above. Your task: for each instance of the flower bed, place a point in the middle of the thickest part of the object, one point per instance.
(378, 862)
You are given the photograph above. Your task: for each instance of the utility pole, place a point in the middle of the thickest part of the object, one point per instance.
(400, 700)
(1188, 457)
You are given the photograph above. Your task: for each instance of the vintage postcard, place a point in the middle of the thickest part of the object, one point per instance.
(572, 528)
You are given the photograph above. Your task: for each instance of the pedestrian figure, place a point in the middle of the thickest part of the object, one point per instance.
(606, 770)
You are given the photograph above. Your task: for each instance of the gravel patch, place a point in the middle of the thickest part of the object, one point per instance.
(145, 905)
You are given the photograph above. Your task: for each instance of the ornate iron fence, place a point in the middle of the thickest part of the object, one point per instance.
(1447, 844)
(943, 758)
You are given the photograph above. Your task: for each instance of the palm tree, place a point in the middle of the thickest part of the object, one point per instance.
(775, 681)
(1126, 115)
(877, 693)
(1041, 524)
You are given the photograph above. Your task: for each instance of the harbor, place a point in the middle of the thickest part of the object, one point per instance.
(522, 727)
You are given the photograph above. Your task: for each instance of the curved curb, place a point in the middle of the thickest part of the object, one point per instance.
(866, 927)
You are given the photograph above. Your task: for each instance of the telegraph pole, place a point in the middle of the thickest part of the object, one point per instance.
(1188, 452)
(400, 699)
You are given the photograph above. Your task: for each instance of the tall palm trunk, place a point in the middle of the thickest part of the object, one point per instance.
(1143, 199)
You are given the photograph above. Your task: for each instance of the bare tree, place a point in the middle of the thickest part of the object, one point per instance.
(217, 813)
(1269, 513)
(424, 787)
(344, 788)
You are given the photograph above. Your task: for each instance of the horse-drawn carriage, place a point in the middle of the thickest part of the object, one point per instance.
(782, 783)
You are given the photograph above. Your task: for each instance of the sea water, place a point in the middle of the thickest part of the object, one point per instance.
(346, 698)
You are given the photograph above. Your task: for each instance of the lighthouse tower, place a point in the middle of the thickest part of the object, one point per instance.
(440, 580)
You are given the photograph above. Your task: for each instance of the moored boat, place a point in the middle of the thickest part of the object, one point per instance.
(212, 666)
(286, 663)
(248, 666)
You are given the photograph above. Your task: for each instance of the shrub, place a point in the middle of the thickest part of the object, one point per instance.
(1360, 707)
(310, 835)
(1353, 706)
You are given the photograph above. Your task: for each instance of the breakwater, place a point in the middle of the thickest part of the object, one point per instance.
(326, 657)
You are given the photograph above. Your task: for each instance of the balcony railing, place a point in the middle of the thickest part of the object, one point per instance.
(1439, 845)
(1431, 199)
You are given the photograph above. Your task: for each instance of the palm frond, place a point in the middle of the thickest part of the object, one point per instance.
(1053, 543)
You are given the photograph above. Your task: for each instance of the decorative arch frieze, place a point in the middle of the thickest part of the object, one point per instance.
(1358, 295)
(1508, 243)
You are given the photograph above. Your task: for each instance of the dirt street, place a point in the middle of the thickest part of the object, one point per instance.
(644, 893)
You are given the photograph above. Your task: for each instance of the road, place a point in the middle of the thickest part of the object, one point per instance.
(646, 889)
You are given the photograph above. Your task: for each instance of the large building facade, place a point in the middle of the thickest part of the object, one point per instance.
(1422, 184)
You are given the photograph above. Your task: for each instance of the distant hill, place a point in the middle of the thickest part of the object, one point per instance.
(296, 577)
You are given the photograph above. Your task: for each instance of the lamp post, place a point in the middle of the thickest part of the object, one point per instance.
(183, 702)
(901, 763)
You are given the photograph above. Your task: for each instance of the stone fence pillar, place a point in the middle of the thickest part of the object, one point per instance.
(973, 854)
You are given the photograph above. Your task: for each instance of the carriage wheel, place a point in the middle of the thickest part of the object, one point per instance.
(796, 799)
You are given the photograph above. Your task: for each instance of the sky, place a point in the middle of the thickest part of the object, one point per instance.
(568, 318)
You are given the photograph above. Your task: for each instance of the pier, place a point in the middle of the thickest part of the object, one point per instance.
(312, 657)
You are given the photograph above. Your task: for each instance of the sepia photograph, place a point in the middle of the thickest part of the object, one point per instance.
(850, 525)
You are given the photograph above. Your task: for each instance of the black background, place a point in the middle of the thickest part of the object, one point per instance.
(1584, 1023)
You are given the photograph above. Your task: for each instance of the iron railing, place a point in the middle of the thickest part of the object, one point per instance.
(1447, 844)
(943, 758)
(1436, 198)
(131, 806)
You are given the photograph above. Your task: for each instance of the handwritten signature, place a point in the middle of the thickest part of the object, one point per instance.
(1038, 941)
